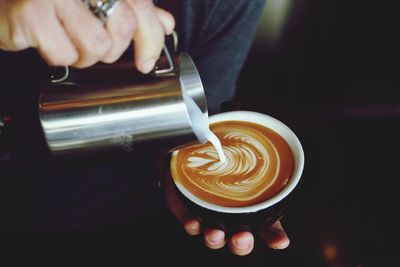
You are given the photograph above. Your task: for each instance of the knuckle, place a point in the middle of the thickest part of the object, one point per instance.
(100, 43)
(96, 45)
(125, 32)
(22, 19)
(126, 28)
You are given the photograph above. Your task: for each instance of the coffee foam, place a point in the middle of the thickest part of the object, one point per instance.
(258, 165)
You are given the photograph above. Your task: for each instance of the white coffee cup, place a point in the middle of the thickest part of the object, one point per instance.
(298, 155)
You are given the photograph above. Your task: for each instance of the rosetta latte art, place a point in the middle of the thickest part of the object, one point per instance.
(236, 178)
(252, 166)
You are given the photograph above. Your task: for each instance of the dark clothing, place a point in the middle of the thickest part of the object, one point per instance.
(38, 194)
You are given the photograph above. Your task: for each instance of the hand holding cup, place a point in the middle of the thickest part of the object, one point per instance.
(251, 189)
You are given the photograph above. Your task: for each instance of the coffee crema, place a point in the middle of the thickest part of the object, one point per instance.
(259, 163)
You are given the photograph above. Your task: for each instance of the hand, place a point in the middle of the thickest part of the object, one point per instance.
(240, 243)
(66, 33)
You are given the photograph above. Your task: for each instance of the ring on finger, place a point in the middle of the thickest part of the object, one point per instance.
(102, 9)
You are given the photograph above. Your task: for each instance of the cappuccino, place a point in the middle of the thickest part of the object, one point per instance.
(259, 164)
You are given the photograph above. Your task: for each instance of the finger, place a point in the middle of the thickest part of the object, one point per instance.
(60, 51)
(54, 44)
(241, 243)
(149, 36)
(191, 225)
(275, 236)
(86, 32)
(214, 238)
(121, 26)
(166, 19)
(174, 203)
(13, 40)
(13, 29)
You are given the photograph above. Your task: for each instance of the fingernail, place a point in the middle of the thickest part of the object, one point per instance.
(214, 240)
(242, 243)
(193, 225)
(147, 65)
(192, 228)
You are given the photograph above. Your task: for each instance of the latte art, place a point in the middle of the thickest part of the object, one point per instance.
(258, 165)
(237, 177)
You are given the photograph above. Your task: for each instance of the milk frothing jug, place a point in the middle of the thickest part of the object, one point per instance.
(111, 107)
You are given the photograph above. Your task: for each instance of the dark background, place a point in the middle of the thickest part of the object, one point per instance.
(333, 77)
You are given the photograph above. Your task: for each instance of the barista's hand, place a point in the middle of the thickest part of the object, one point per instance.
(67, 33)
(240, 243)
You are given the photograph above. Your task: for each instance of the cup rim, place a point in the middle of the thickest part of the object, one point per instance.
(285, 132)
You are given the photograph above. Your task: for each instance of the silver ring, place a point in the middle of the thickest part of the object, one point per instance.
(101, 8)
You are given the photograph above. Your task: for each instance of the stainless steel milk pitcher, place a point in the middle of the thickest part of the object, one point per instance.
(110, 107)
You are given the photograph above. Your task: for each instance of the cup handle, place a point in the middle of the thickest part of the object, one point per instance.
(170, 61)
(171, 66)
(62, 78)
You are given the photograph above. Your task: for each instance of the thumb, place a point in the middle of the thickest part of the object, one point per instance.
(174, 203)
(191, 225)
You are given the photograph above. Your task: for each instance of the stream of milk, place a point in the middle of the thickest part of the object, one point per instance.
(201, 127)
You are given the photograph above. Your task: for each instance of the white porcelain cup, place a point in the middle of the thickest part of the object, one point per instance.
(265, 212)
